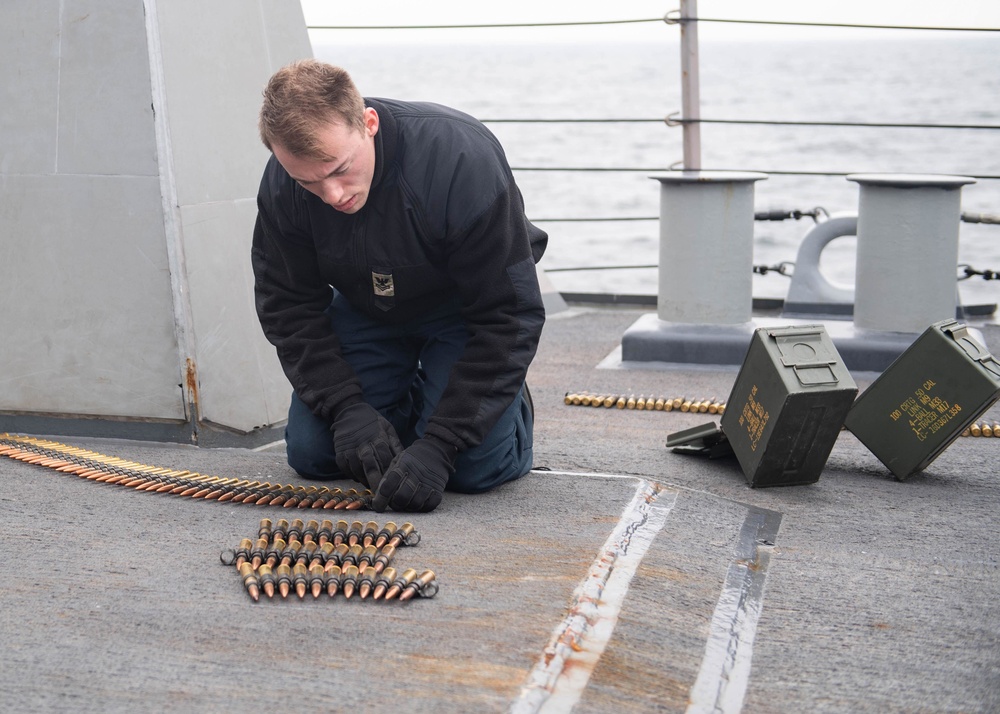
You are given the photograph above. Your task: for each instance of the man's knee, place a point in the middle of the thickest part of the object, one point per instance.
(311, 458)
(498, 460)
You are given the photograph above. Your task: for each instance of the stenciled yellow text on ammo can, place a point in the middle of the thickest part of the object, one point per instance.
(788, 405)
(924, 400)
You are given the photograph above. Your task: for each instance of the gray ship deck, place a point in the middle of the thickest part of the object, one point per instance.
(857, 593)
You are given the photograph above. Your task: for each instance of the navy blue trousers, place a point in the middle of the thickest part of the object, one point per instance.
(404, 370)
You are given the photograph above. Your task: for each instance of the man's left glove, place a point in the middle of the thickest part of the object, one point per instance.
(415, 480)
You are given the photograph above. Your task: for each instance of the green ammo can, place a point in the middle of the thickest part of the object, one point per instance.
(924, 400)
(788, 405)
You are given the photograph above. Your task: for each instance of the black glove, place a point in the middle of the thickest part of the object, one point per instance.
(365, 443)
(416, 478)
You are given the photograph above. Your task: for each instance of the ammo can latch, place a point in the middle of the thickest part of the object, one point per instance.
(803, 349)
(960, 333)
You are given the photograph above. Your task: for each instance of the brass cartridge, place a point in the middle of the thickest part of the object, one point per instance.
(310, 532)
(293, 496)
(284, 577)
(295, 531)
(408, 576)
(354, 533)
(300, 579)
(996, 430)
(322, 554)
(349, 580)
(306, 553)
(976, 430)
(274, 552)
(331, 577)
(250, 581)
(243, 552)
(404, 535)
(568, 399)
(351, 501)
(279, 497)
(266, 577)
(340, 532)
(258, 552)
(335, 500)
(316, 579)
(369, 534)
(385, 534)
(339, 554)
(987, 430)
(640, 403)
(325, 497)
(291, 552)
(308, 495)
(621, 403)
(280, 530)
(325, 532)
(630, 402)
(609, 402)
(352, 556)
(423, 586)
(367, 557)
(383, 558)
(366, 582)
(386, 578)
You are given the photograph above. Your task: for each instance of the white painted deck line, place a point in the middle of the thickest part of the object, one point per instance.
(561, 675)
(725, 670)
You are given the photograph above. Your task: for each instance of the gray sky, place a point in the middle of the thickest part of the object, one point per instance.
(954, 13)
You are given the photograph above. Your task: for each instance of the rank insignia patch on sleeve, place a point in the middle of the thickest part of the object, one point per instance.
(382, 283)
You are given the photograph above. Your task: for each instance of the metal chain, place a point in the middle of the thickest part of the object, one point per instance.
(968, 271)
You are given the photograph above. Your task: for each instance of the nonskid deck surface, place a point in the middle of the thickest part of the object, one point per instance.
(625, 577)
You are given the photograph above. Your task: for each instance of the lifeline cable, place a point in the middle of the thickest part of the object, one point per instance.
(142, 477)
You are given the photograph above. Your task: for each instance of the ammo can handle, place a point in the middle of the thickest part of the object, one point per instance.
(812, 365)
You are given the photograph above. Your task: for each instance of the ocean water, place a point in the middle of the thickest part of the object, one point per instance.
(941, 80)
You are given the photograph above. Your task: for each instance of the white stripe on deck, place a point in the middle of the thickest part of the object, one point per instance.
(558, 680)
(725, 670)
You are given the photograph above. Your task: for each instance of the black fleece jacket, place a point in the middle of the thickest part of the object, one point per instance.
(444, 218)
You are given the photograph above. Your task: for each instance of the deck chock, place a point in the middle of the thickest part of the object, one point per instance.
(927, 398)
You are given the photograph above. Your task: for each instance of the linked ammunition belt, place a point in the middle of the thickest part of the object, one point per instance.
(323, 558)
(97, 467)
(984, 429)
(642, 402)
(710, 406)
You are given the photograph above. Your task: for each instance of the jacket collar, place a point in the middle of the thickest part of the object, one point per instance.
(385, 140)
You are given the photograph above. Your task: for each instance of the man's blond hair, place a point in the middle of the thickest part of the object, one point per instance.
(301, 99)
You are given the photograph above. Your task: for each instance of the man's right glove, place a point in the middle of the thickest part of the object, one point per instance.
(365, 443)
(415, 481)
